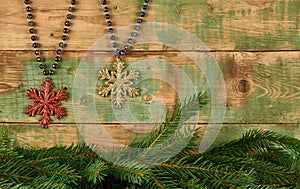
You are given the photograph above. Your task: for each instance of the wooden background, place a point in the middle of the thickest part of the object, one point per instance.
(255, 42)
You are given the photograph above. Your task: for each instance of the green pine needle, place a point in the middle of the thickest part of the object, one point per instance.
(260, 159)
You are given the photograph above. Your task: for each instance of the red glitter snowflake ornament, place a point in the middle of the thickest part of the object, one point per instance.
(46, 103)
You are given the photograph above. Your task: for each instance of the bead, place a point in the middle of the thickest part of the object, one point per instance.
(29, 16)
(59, 51)
(28, 9)
(69, 16)
(107, 16)
(136, 27)
(46, 72)
(71, 9)
(57, 59)
(146, 1)
(110, 30)
(139, 20)
(41, 66)
(66, 30)
(26, 2)
(35, 45)
(122, 52)
(33, 38)
(67, 23)
(133, 34)
(39, 59)
(141, 14)
(31, 23)
(54, 66)
(105, 9)
(51, 72)
(112, 37)
(63, 37)
(36, 52)
(144, 7)
(32, 31)
(131, 41)
(114, 45)
(108, 23)
(127, 47)
(103, 2)
(117, 51)
(73, 2)
(62, 44)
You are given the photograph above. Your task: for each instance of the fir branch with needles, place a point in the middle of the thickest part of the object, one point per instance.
(260, 159)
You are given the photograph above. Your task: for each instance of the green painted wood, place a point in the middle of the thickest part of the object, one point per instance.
(28, 135)
(67, 134)
(262, 86)
(267, 83)
(221, 25)
(234, 131)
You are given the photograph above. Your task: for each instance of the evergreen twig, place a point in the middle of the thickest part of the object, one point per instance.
(258, 160)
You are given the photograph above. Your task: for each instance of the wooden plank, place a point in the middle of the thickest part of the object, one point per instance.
(221, 25)
(234, 131)
(264, 82)
(67, 134)
(29, 135)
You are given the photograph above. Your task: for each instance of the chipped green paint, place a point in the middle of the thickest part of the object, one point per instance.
(211, 28)
(16, 101)
(285, 12)
(232, 132)
(294, 16)
(243, 12)
(276, 93)
(265, 42)
(231, 14)
(267, 14)
(281, 9)
(272, 108)
(198, 79)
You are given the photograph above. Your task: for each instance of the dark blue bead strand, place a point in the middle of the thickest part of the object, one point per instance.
(34, 37)
(131, 40)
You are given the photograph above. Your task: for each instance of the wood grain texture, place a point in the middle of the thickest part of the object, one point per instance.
(256, 44)
(255, 81)
(66, 134)
(221, 25)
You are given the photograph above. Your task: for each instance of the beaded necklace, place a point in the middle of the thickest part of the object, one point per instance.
(117, 81)
(47, 102)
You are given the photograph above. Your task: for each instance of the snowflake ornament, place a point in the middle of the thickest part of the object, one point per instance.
(118, 83)
(46, 103)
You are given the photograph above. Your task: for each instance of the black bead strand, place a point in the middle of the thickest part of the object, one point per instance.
(34, 37)
(110, 30)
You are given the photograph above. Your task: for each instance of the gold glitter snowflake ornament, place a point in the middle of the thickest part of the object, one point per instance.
(118, 83)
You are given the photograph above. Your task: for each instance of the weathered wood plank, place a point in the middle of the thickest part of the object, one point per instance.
(67, 134)
(262, 82)
(33, 135)
(221, 25)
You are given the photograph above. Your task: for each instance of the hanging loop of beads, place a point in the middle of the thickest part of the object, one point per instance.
(131, 40)
(57, 59)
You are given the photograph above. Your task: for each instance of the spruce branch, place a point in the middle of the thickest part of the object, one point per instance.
(169, 135)
(258, 160)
